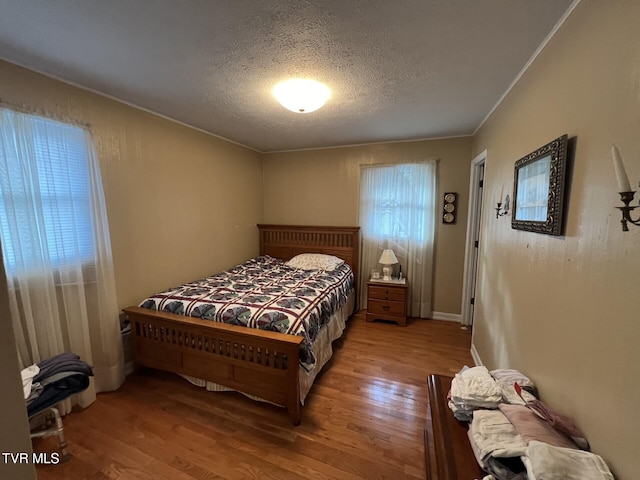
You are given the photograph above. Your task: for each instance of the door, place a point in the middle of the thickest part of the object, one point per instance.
(473, 239)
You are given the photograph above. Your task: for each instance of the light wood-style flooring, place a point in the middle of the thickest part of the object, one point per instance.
(363, 419)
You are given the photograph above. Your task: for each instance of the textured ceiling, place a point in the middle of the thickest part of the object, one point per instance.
(398, 69)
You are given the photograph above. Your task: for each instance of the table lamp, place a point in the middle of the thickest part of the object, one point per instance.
(387, 259)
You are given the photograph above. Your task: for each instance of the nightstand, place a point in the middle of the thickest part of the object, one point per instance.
(387, 301)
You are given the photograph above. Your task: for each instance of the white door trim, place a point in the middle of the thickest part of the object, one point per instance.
(473, 230)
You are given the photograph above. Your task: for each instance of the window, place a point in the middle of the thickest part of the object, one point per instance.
(397, 211)
(45, 199)
(394, 202)
(55, 243)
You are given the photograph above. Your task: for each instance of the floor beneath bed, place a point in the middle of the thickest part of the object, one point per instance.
(364, 418)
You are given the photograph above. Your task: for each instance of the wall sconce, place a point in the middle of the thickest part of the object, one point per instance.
(627, 198)
(626, 194)
(500, 211)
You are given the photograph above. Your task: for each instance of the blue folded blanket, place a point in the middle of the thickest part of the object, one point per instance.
(59, 377)
(64, 362)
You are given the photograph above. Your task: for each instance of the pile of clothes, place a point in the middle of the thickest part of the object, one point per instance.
(516, 436)
(53, 380)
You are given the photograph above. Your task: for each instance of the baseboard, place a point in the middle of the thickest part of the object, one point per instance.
(449, 317)
(475, 355)
(128, 368)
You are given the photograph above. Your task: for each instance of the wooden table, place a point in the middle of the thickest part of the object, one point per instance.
(387, 301)
(454, 459)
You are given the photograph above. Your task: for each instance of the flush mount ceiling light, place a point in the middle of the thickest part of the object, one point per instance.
(301, 95)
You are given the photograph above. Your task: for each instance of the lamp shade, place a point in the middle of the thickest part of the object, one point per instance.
(388, 257)
(301, 95)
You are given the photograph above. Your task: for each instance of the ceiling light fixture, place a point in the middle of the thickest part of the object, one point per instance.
(301, 95)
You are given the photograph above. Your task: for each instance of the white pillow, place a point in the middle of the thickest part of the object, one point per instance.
(315, 261)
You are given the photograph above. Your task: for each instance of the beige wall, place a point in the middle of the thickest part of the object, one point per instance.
(181, 204)
(14, 428)
(322, 187)
(562, 309)
(565, 310)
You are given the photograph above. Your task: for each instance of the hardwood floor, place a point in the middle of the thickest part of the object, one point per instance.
(363, 419)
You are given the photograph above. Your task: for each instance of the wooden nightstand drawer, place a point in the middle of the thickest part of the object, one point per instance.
(387, 301)
(384, 292)
(386, 307)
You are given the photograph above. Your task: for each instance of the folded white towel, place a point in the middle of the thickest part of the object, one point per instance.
(475, 387)
(510, 395)
(511, 376)
(546, 462)
(494, 435)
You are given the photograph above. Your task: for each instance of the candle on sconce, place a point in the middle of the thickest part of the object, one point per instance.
(501, 193)
(621, 174)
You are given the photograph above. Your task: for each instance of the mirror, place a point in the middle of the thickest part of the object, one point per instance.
(539, 186)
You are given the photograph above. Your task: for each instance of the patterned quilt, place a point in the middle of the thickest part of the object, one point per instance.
(264, 293)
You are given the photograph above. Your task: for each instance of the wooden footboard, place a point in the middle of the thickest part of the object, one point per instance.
(257, 362)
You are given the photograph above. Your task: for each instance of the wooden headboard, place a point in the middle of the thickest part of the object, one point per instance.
(287, 241)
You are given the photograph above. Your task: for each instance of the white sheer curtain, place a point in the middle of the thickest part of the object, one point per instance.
(398, 211)
(56, 247)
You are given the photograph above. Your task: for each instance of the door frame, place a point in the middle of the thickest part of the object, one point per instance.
(473, 232)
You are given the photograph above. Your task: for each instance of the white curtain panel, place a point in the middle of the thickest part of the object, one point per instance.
(56, 248)
(398, 211)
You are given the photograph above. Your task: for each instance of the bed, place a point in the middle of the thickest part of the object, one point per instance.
(261, 363)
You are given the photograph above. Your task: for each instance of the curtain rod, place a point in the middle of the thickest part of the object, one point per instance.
(374, 165)
(29, 110)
